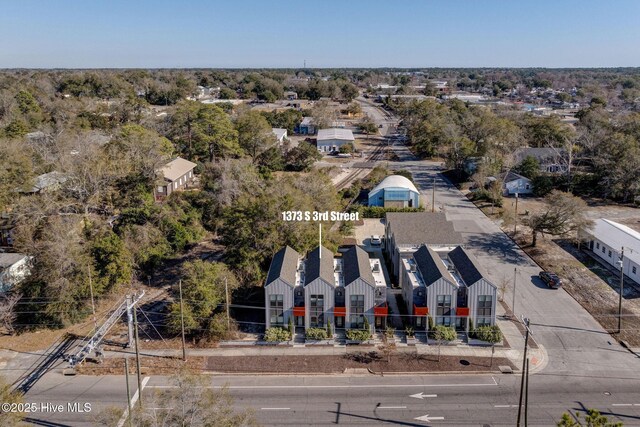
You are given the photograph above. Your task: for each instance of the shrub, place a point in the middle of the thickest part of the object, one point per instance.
(358, 334)
(316, 333)
(444, 333)
(277, 334)
(389, 331)
(409, 331)
(430, 322)
(329, 330)
(379, 211)
(490, 334)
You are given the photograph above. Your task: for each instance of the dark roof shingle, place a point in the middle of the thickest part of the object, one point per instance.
(284, 265)
(467, 265)
(317, 266)
(355, 264)
(414, 228)
(430, 266)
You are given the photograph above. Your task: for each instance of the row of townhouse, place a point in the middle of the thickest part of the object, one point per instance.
(320, 288)
(448, 286)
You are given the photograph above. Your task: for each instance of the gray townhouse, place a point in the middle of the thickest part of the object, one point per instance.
(283, 282)
(405, 232)
(448, 286)
(479, 295)
(428, 288)
(321, 288)
(364, 295)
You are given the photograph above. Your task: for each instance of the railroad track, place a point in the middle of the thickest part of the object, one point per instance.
(377, 154)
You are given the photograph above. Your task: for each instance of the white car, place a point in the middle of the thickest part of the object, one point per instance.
(376, 240)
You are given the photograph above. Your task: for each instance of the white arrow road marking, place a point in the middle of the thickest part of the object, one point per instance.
(422, 396)
(392, 407)
(427, 418)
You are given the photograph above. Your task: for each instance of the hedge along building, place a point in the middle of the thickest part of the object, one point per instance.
(395, 191)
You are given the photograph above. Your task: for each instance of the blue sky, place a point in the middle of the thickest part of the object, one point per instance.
(347, 33)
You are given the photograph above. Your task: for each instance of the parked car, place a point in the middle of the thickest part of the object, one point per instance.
(376, 240)
(552, 280)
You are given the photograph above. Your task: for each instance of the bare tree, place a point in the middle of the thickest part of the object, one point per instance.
(7, 311)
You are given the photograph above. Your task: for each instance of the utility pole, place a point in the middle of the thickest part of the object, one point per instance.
(525, 321)
(135, 335)
(621, 263)
(129, 299)
(433, 195)
(515, 218)
(526, 395)
(226, 291)
(184, 347)
(126, 376)
(513, 301)
(93, 305)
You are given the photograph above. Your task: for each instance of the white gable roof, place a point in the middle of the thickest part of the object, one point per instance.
(616, 236)
(335, 133)
(394, 181)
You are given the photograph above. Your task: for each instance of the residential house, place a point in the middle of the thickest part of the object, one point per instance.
(290, 95)
(319, 288)
(332, 139)
(363, 296)
(608, 238)
(395, 191)
(513, 183)
(306, 126)
(14, 268)
(284, 282)
(550, 159)
(478, 295)
(405, 232)
(280, 134)
(178, 173)
(428, 288)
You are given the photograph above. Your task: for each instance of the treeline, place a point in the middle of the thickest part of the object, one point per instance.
(600, 154)
(95, 219)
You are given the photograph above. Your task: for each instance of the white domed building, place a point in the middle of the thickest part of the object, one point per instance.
(395, 191)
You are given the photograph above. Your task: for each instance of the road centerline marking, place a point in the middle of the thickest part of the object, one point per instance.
(275, 409)
(134, 399)
(392, 407)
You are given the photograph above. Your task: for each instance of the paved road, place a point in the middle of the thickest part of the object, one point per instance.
(451, 400)
(576, 343)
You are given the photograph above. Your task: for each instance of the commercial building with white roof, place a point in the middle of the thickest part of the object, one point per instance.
(333, 138)
(607, 239)
(395, 191)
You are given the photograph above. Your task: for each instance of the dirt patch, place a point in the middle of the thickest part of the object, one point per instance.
(374, 361)
(148, 366)
(591, 285)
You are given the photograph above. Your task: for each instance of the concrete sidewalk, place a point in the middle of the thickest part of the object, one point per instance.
(538, 356)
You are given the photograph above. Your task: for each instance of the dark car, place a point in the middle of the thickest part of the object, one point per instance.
(552, 280)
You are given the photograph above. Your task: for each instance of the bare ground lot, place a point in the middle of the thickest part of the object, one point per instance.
(373, 361)
(590, 284)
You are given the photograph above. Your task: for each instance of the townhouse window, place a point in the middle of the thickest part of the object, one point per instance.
(356, 311)
(485, 306)
(597, 245)
(276, 309)
(443, 310)
(609, 254)
(603, 249)
(316, 310)
(633, 270)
